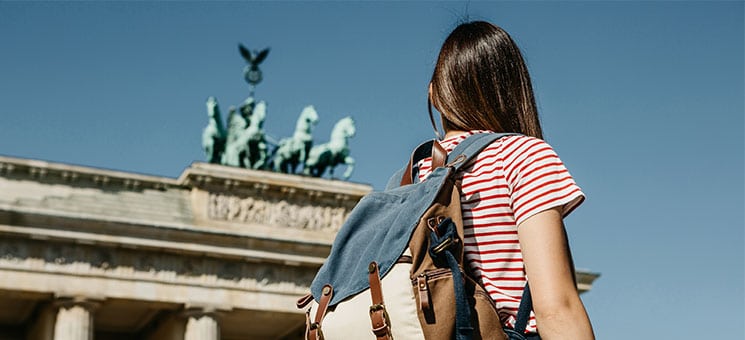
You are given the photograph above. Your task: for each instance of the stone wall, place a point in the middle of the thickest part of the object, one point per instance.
(90, 253)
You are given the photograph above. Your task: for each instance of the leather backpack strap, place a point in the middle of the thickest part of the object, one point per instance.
(307, 324)
(439, 155)
(314, 330)
(430, 148)
(463, 152)
(304, 301)
(381, 325)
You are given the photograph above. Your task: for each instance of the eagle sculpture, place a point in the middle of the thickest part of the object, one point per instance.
(251, 72)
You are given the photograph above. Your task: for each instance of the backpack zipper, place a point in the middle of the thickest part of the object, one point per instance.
(422, 284)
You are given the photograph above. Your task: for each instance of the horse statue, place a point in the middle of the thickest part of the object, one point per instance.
(290, 152)
(213, 136)
(333, 153)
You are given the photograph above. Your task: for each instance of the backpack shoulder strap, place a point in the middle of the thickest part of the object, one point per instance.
(468, 148)
(464, 152)
(461, 156)
(406, 175)
(523, 311)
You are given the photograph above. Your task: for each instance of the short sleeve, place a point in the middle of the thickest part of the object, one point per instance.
(537, 179)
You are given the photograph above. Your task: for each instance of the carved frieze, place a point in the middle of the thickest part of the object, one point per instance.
(276, 212)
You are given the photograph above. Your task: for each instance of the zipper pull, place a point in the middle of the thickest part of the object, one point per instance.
(423, 288)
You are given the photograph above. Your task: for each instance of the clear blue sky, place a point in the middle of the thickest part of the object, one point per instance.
(642, 100)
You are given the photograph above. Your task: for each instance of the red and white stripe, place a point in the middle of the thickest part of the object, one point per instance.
(510, 180)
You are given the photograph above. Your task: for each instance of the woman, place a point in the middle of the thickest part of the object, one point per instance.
(515, 193)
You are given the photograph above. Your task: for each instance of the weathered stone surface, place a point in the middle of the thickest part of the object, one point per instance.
(234, 241)
(201, 325)
(74, 319)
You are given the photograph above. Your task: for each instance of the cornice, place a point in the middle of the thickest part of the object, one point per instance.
(214, 177)
(38, 170)
(211, 177)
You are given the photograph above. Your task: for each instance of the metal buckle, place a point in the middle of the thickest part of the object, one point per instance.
(444, 245)
(316, 327)
(457, 160)
(376, 307)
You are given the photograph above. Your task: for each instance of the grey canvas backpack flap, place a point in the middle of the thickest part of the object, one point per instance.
(396, 265)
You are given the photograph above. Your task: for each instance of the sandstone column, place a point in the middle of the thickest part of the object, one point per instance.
(201, 324)
(74, 319)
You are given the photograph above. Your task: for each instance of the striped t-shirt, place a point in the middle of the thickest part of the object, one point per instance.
(510, 180)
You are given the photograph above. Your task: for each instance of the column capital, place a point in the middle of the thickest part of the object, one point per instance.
(202, 323)
(198, 311)
(89, 303)
(74, 317)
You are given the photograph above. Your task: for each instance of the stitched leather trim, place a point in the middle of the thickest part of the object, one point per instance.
(378, 316)
(315, 332)
(439, 157)
(304, 301)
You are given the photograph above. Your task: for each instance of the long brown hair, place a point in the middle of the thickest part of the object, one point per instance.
(481, 82)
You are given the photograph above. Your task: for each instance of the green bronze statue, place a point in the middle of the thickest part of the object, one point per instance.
(243, 143)
(213, 136)
(290, 152)
(333, 153)
(256, 155)
(234, 146)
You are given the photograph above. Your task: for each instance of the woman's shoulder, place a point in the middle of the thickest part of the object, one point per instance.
(517, 153)
(508, 150)
(511, 146)
(519, 144)
(452, 141)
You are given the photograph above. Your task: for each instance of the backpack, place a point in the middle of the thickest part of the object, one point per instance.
(396, 271)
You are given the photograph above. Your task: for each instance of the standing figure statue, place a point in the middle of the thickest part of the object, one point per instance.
(290, 152)
(213, 136)
(247, 108)
(235, 145)
(246, 145)
(333, 153)
(256, 156)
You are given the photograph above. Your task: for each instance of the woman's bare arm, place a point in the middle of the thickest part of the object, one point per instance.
(559, 311)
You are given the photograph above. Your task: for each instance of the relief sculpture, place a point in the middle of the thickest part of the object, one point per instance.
(277, 212)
